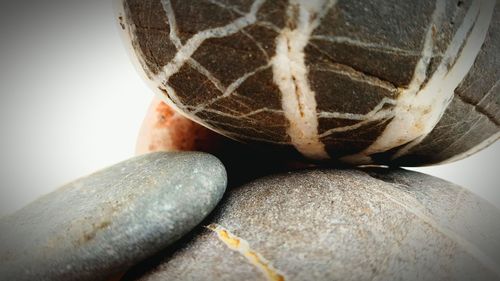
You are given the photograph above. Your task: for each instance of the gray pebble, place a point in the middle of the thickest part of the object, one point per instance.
(339, 225)
(99, 225)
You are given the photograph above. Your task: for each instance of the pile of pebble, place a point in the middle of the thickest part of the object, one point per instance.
(196, 205)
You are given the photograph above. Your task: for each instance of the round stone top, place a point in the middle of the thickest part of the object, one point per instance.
(395, 82)
(329, 224)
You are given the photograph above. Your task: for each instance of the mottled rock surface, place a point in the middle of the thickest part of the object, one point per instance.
(393, 82)
(339, 225)
(99, 225)
(164, 129)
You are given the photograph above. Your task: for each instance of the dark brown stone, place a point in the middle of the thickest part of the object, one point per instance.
(286, 72)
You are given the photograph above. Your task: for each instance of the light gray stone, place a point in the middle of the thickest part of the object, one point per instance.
(340, 225)
(99, 225)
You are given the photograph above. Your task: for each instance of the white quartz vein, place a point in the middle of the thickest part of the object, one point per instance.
(355, 75)
(205, 72)
(234, 9)
(417, 109)
(290, 73)
(265, 131)
(420, 107)
(366, 45)
(226, 7)
(245, 115)
(269, 25)
(231, 89)
(376, 114)
(186, 51)
(174, 37)
(173, 101)
(361, 117)
(226, 91)
(257, 43)
(244, 139)
(462, 52)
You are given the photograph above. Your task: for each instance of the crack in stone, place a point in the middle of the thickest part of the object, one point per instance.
(463, 135)
(477, 106)
(239, 245)
(487, 142)
(419, 211)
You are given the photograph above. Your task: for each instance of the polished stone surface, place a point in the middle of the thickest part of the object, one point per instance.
(338, 225)
(395, 82)
(99, 225)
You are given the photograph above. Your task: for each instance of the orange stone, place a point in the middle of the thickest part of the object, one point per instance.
(164, 129)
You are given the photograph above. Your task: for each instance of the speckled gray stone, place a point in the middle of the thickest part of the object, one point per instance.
(99, 225)
(397, 82)
(342, 225)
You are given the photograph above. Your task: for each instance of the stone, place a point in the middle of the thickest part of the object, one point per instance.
(98, 226)
(164, 129)
(326, 224)
(390, 82)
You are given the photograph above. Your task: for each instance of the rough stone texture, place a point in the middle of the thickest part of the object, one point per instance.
(357, 68)
(99, 225)
(340, 225)
(164, 129)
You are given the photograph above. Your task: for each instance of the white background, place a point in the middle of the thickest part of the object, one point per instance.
(71, 102)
